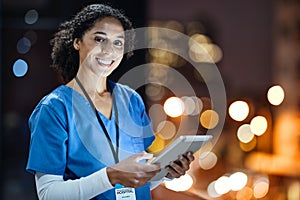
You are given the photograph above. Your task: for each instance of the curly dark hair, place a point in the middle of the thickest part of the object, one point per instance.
(65, 59)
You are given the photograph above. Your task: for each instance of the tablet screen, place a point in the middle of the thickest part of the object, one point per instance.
(181, 145)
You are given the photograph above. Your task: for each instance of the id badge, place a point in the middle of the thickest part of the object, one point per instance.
(124, 193)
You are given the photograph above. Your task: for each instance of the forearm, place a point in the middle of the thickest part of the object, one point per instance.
(52, 187)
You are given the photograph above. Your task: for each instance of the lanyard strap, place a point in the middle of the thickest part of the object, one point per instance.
(114, 151)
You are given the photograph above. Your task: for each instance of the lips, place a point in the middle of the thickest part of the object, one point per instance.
(105, 63)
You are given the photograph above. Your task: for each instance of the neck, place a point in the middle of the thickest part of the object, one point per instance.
(93, 84)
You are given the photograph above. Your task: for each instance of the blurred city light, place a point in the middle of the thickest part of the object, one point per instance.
(212, 191)
(31, 16)
(275, 95)
(239, 110)
(261, 187)
(174, 107)
(209, 119)
(166, 130)
(237, 181)
(155, 92)
(207, 160)
(244, 133)
(23, 45)
(248, 146)
(222, 185)
(20, 68)
(258, 125)
(182, 183)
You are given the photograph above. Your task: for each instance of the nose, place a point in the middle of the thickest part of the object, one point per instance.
(107, 48)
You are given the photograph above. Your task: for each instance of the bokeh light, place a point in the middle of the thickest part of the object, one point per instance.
(192, 105)
(176, 26)
(199, 38)
(212, 191)
(258, 125)
(209, 119)
(158, 74)
(237, 181)
(275, 95)
(31, 16)
(239, 110)
(155, 92)
(198, 106)
(157, 115)
(207, 160)
(294, 190)
(174, 107)
(189, 105)
(248, 146)
(166, 130)
(222, 185)
(20, 68)
(244, 133)
(261, 187)
(23, 45)
(182, 183)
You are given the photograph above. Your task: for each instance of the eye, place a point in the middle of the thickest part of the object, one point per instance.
(99, 39)
(118, 43)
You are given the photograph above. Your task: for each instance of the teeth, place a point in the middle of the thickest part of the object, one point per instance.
(105, 62)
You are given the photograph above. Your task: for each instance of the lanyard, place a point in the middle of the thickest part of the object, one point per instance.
(114, 151)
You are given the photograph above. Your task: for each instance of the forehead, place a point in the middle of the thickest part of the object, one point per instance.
(109, 26)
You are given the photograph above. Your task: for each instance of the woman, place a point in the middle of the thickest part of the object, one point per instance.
(89, 136)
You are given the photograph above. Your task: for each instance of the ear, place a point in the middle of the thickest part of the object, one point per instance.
(76, 43)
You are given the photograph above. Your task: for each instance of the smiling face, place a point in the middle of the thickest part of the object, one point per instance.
(101, 48)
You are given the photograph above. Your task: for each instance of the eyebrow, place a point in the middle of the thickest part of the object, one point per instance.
(103, 33)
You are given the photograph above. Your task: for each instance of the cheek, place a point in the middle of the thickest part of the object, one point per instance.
(119, 53)
(86, 54)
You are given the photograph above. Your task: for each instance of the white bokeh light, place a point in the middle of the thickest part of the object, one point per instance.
(238, 181)
(275, 95)
(258, 125)
(207, 160)
(238, 110)
(182, 183)
(174, 107)
(244, 133)
(222, 185)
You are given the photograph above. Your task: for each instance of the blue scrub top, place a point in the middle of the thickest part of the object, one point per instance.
(67, 139)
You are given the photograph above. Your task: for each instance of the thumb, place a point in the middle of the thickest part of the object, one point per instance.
(143, 155)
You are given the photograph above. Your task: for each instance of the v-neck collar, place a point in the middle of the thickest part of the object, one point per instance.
(111, 87)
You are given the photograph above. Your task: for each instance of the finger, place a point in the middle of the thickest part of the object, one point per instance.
(143, 155)
(150, 160)
(172, 173)
(190, 156)
(184, 163)
(178, 169)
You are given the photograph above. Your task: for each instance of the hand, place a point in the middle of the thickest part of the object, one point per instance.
(179, 167)
(131, 173)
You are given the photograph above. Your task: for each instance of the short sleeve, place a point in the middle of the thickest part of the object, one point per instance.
(48, 143)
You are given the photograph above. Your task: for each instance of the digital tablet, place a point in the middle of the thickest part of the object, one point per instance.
(181, 145)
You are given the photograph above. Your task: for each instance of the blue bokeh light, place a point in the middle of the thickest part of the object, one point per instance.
(31, 16)
(20, 68)
(23, 45)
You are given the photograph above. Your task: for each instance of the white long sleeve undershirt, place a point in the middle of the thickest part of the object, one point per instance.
(52, 187)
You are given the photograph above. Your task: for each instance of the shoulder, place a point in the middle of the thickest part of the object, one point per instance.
(57, 96)
(127, 96)
(125, 90)
(55, 102)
